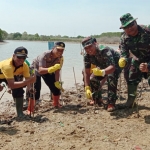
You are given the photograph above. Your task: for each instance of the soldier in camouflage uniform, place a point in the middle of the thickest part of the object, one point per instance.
(106, 61)
(135, 38)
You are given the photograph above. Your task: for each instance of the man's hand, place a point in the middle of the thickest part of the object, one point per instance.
(88, 92)
(32, 71)
(32, 90)
(59, 85)
(122, 62)
(54, 68)
(143, 67)
(32, 79)
(1, 87)
(9, 90)
(98, 72)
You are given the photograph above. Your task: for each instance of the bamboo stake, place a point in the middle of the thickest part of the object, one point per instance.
(79, 96)
(63, 103)
(120, 88)
(4, 91)
(75, 80)
(32, 86)
(33, 98)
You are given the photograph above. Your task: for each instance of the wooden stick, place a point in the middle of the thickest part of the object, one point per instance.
(33, 98)
(120, 88)
(75, 80)
(61, 86)
(4, 91)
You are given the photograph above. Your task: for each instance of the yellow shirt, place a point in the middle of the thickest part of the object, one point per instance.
(8, 70)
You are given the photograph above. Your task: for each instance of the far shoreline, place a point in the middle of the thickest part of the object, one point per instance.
(6, 41)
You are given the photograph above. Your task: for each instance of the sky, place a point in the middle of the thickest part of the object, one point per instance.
(69, 17)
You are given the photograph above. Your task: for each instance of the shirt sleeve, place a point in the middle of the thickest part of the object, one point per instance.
(7, 71)
(87, 63)
(124, 50)
(26, 72)
(61, 61)
(42, 60)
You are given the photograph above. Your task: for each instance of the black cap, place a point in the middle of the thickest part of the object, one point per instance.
(60, 45)
(21, 51)
(88, 41)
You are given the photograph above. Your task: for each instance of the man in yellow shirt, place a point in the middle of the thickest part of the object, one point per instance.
(12, 72)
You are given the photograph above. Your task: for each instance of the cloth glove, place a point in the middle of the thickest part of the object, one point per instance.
(88, 92)
(122, 62)
(58, 85)
(98, 72)
(54, 68)
(32, 71)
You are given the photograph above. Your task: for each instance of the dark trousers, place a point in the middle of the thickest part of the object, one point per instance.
(16, 93)
(49, 80)
(112, 80)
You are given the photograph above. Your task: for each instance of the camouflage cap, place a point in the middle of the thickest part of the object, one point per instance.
(88, 41)
(126, 19)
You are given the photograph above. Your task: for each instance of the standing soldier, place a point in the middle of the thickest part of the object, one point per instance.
(106, 61)
(135, 38)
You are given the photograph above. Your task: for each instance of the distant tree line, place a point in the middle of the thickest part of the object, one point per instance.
(109, 37)
(3, 35)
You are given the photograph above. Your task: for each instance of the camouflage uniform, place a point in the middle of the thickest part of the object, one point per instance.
(139, 45)
(104, 57)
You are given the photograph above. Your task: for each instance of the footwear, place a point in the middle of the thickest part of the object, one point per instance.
(31, 105)
(25, 104)
(19, 106)
(37, 101)
(110, 108)
(132, 89)
(56, 101)
(105, 104)
(99, 102)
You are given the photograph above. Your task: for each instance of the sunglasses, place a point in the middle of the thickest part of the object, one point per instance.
(129, 25)
(21, 57)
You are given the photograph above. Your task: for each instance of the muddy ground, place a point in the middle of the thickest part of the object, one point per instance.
(77, 126)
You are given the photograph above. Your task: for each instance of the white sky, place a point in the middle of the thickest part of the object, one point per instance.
(69, 17)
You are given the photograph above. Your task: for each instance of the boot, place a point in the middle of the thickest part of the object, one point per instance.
(19, 106)
(31, 105)
(132, 89)
(56, 101)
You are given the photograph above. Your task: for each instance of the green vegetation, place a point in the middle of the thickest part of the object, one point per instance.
(108, 34)
(3, 35)
(109, 37)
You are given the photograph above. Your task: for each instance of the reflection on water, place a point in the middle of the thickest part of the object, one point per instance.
(72, 57)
